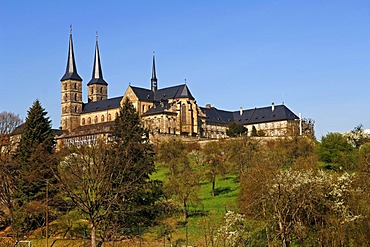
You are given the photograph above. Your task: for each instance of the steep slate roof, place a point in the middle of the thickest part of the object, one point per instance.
(159, 108)
(250, 116)
(102, 105)
(71, 70)
(97, 75)
(175, 92)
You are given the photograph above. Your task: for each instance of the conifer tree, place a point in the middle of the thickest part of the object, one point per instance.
(33, 155)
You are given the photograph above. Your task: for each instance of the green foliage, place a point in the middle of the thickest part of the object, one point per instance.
(172, 153)
(235, 129)
(109, 183)
(336, 152)
(214, 161)
(254, 131)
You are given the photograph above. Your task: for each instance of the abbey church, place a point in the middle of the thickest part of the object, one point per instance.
(164, 111)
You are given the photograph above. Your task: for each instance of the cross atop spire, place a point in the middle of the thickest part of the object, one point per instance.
(71, 70)
(154, 79)
(97, 75)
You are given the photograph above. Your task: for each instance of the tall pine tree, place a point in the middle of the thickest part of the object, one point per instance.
(33, 156)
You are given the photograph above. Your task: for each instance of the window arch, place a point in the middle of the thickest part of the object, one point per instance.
(109, 117)
(89, 120)
(76, 109)
(101, 90)
(83, 121)
(75, 86)
(96, 119)
(102, 118)
(75, 97)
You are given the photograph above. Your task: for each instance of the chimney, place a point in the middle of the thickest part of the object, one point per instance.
(241, 110)
(273, 106)
(208, 106)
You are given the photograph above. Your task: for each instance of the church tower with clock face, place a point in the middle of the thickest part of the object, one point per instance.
(71, 88)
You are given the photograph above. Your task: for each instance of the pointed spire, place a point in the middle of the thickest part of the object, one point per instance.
(71, 70)
(154, 76)
(97, 75)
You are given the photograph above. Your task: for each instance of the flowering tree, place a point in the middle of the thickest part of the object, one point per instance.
(297, 205)
(232, 232)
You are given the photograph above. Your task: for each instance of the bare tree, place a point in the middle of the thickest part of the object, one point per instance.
(8, 122)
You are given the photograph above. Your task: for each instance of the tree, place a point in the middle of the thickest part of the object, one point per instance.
(254, 131)
(108, 182)
(300, 206)
(242, 154)
(335, 151)
(32, 165)
(172, 153)
(214, 160)
(184, 187)
(357, 136)
(234, 129)
(8, 122)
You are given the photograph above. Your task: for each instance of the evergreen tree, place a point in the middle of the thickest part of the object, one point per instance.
(235, 129)
(133, 157)
(33, 155)
(254, 131)
(109, 182)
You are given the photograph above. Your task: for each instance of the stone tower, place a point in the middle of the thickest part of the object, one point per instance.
(71, 84)
(97, 86)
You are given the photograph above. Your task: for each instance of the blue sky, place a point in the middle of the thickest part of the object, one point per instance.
(312, 55)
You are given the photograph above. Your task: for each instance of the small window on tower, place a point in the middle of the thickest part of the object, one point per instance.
(101, 90)
(96, 119)
(102, 118)
(89, 120)
(75, 86)
(83, 121)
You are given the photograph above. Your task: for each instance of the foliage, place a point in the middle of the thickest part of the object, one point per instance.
(109, 183)
(357, 136)
(254, 131)
(232, 231)
(242, 154)
(172, 153)
(214, 161)
(235, 129)
(336, 152)
(297, 205)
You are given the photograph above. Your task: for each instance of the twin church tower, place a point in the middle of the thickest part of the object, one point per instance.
(166, 111)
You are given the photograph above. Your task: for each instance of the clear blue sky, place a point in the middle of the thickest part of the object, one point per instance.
(313, 55)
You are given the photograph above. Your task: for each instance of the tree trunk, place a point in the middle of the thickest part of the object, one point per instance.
(93, 235)
(185, 210)
(213, 185)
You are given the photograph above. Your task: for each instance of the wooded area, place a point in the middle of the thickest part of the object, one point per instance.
(294, 191)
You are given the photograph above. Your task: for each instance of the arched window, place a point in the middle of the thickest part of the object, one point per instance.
(75, 97)
(65, 97)
(65, 86)
(96, 119)
(101, 90)
(89, 120)
(83, 121)
(75, 86)
(76, 109)
(102, 118)
(109, 117)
